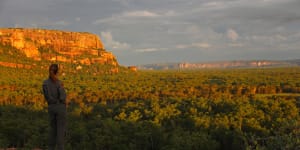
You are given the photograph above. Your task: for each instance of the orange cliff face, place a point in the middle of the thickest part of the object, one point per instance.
(41, 44)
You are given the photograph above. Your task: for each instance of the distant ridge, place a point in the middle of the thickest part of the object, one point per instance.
(54, 45)
(222, 64)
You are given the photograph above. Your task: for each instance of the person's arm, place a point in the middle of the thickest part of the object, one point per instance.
(62, 93)
(46, 92)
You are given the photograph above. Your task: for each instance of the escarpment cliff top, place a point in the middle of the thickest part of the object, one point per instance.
(54, 45)
(222, 64)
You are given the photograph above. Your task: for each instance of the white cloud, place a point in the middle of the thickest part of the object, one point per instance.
(194, 45)
(105, 20)
(125, 16)
(215, 5)
(170, 13)
(296, 35)
(280, 37)
(193, 29)
(111, 43)
(60, 23)
(143, 13)
(123, 2)
(181, 46)
(150, 49)
(201, 45)
(77, 19)
(232, 34)
(268, 39)
(46, 22)
(235, 44)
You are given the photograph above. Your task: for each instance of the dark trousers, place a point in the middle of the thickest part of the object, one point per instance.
(57, 119)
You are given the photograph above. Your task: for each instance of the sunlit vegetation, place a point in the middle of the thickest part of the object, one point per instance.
(156, 110)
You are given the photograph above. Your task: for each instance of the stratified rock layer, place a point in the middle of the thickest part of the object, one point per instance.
(63, 46)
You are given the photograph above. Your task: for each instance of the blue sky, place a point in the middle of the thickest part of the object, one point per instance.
(157, 31)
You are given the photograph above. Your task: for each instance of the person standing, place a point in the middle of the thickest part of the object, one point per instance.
(55, 95)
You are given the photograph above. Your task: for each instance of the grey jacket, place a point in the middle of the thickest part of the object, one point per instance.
(53, 92)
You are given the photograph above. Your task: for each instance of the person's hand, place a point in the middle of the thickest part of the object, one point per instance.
(62, 85)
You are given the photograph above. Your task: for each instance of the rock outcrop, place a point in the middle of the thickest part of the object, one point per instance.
(231, 64)
(15, 65)
(63, 46)
(223, 64)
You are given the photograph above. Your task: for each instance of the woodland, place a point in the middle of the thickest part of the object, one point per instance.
(209, 109)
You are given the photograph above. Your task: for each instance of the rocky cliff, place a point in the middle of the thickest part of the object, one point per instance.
(233, 64)
(223, 64)
(54, 45)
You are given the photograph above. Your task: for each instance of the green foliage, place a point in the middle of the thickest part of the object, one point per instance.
(156, 110)
(48, 50)
(9, 53)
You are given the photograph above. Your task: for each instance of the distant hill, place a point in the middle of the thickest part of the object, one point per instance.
(221, 64)
(24, 47)
(295, 62)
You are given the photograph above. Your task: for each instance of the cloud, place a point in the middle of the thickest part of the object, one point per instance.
(232, 35)
(214, 5)
(44, 23)
(296, 35)
(60, 23)
(216, 29)
(235, 44)
(257, 12)
(274, 40)
(170, 13)
(150, 49)
(194, 45)
(192, 29)
(201, 45)
(128, 16)
(123, 17)
(1, 5)
(143, 13)
(77, 19)
(182, 46)
(111, 43)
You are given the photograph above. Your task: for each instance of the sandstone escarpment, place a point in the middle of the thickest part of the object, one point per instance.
(54, 45)
(231, 64)
(221, 64)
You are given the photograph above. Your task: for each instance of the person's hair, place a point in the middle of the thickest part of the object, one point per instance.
(54, 67)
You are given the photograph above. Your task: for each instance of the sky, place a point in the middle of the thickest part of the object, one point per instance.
(158, 31)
